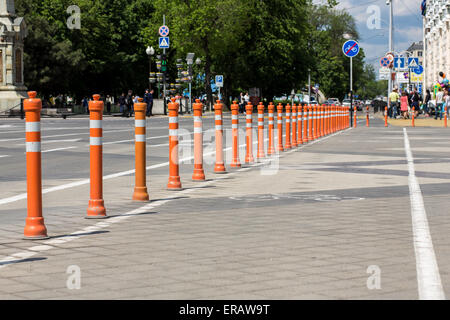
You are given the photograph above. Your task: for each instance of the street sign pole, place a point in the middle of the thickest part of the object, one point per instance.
(351, 92)
(164, 74)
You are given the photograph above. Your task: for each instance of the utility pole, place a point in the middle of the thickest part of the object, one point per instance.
(391, 47)
(309, 85)
(164, 73)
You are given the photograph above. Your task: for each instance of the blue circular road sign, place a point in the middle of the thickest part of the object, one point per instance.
(350, 48)
(418, 70)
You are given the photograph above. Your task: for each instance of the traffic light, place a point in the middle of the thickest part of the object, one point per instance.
(164, 63)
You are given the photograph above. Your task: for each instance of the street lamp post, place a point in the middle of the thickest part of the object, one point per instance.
(190, 62)
(150, 52)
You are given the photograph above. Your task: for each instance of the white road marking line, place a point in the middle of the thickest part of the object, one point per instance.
(103, 224)
(4, 156)
(66, 134)
(428, 278)
(58, 149)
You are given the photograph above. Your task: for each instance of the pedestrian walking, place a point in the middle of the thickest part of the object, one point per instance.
(108, 104)
(85, 105)
(439, 104)
(404, 105)
(241, 103)
(123, 104)
(415, 101)
(129, 104)
(148, 99)
(393, 102)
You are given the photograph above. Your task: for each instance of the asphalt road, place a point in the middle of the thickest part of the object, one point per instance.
(65, 149)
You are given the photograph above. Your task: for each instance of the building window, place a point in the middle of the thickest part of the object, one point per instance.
(419, 54)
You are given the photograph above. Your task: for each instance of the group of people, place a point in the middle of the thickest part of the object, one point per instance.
(125, 102)
(401, 104)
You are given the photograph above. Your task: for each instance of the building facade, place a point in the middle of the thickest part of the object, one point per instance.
(436, 31)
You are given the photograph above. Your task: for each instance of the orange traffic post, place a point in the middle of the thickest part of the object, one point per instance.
(199, 173)
(305, 124)
(280, 146)
(327, 120)
(294, 126)
(174, 183)
(310, 119)
(271, 148)
(34, 223)
(354, 117)
(412, 118)
(288, 144)
(367, 116)
(385, 116)
(260, 155)
(445, 117)
(299, 124)
(249, 136)
(219, 166)
(235, 163)
(315, 116)
(322, 121)
(140, 188)
(96, 208)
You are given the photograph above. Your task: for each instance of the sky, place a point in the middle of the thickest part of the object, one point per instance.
(407, 26)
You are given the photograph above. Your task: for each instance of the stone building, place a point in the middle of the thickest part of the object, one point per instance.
(13, 30)
(436, 24)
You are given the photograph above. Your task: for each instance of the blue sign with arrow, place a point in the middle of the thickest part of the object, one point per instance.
(418, 70)
(399, 63)
(350, 48)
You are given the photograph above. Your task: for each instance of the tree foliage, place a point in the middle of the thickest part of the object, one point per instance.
(267, 44)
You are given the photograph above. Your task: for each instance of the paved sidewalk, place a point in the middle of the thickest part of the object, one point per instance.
(310, 229)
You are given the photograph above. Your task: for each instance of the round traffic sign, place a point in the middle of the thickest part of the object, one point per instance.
(350, 48)
(390, 56)
(384, 62)
(163, 31)
(418, 70)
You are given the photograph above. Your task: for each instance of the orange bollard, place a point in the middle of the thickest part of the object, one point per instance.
(299, 124)
(294, 126)
(445, 117)
(174, 183)
(327, 120)
(270, 148)
(280, 127)
(412, 118)
(219, 166)
(354, 117)
(332, 118)
(314, 117)
(260, 155)
(199, 173)
(235, 163)
(34, 223)
(140, 189)
(367, 116)
(288, 144)
(310, 120)
(385, 116)
(322, 120)
(96, 208)
(249, 138)
(305, 124)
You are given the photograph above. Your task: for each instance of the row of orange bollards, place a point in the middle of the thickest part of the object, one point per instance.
(303, 124)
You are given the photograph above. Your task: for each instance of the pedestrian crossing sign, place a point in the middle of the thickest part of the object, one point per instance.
(413, 62)
(164, 42)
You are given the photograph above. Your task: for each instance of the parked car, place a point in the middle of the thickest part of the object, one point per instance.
(346, 102)
(335, 101)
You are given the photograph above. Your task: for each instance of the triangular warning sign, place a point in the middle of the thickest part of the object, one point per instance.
(163, 43)
(413, 63)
